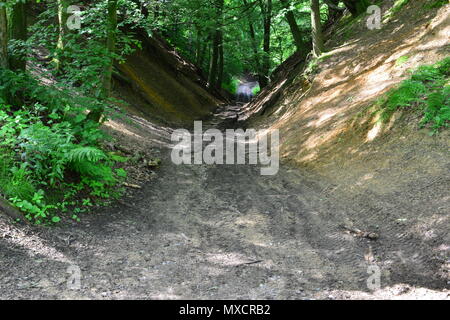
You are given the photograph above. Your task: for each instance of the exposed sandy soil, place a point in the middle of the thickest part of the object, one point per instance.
(156, 81)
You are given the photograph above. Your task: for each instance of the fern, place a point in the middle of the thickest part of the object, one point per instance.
(408, 92)
(82, 154)
(428, 90)
(98, 171)
(437, 110)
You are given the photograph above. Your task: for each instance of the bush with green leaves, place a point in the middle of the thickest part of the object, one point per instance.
(428, 90)
(49, 147)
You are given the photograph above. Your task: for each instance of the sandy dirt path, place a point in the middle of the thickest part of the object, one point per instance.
(224, 232)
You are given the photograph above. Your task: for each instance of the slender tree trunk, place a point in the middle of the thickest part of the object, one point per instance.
(220, 64)
(301, 45)
(202, 46)
(217, 43)
(3, 39)
(63, 31)
(213, 69)
(198, 48)
(97, 113)
(266, 7)
(18, 31)
(254, 46)
(202, 54)
(252, 33)
(317, 36)
(4, 63)
(110, 46)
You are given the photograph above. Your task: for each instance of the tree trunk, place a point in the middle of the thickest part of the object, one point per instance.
(18, 31)
(198, 48)
(63, 31)
(214, 63)
(202, 54)
(266, 7)
(97, 113)
(252, 33)
(316, 28)
(110, 46)
(220, 64)
(356, 7)
(301, 45)
(217, 43)
(3, 39)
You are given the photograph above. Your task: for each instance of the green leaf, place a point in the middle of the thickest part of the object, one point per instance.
(56, 219)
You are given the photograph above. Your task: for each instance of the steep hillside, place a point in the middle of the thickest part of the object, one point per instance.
(394, 173)
(158, 83)
(328, 114)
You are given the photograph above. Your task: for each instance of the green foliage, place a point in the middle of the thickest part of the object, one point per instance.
(398, 5)
(428, 90)
(85, 53)
(401, 61)
(435, 4)
(313, 65)
(256, 90)
(46, 143)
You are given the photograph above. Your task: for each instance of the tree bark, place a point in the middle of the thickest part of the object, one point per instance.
(317, 36)
(105, 91)
(63, 31)
(301, 45)
(110, 46)
(266, 7)
(214, 63)
(220, 64)
(18, 31)
(217, 43)
(252, 33)
(3, 39)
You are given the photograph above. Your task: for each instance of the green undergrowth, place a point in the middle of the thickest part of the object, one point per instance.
(52, 165)
(427, 91)
(397, 7)
(233, 85)
(435, 4)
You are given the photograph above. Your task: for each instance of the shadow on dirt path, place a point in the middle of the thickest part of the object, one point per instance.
(220, 232)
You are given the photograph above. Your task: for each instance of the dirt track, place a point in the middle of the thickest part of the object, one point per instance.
(226, 232)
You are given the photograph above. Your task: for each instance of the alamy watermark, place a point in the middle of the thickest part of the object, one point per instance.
(74, 280)
(374, 280)
(374, 20)
(230, 147)
(74, 20)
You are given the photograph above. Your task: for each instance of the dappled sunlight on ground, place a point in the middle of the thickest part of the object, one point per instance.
(340, 90)
(32, 244)
(121, 128)
(396, 292)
